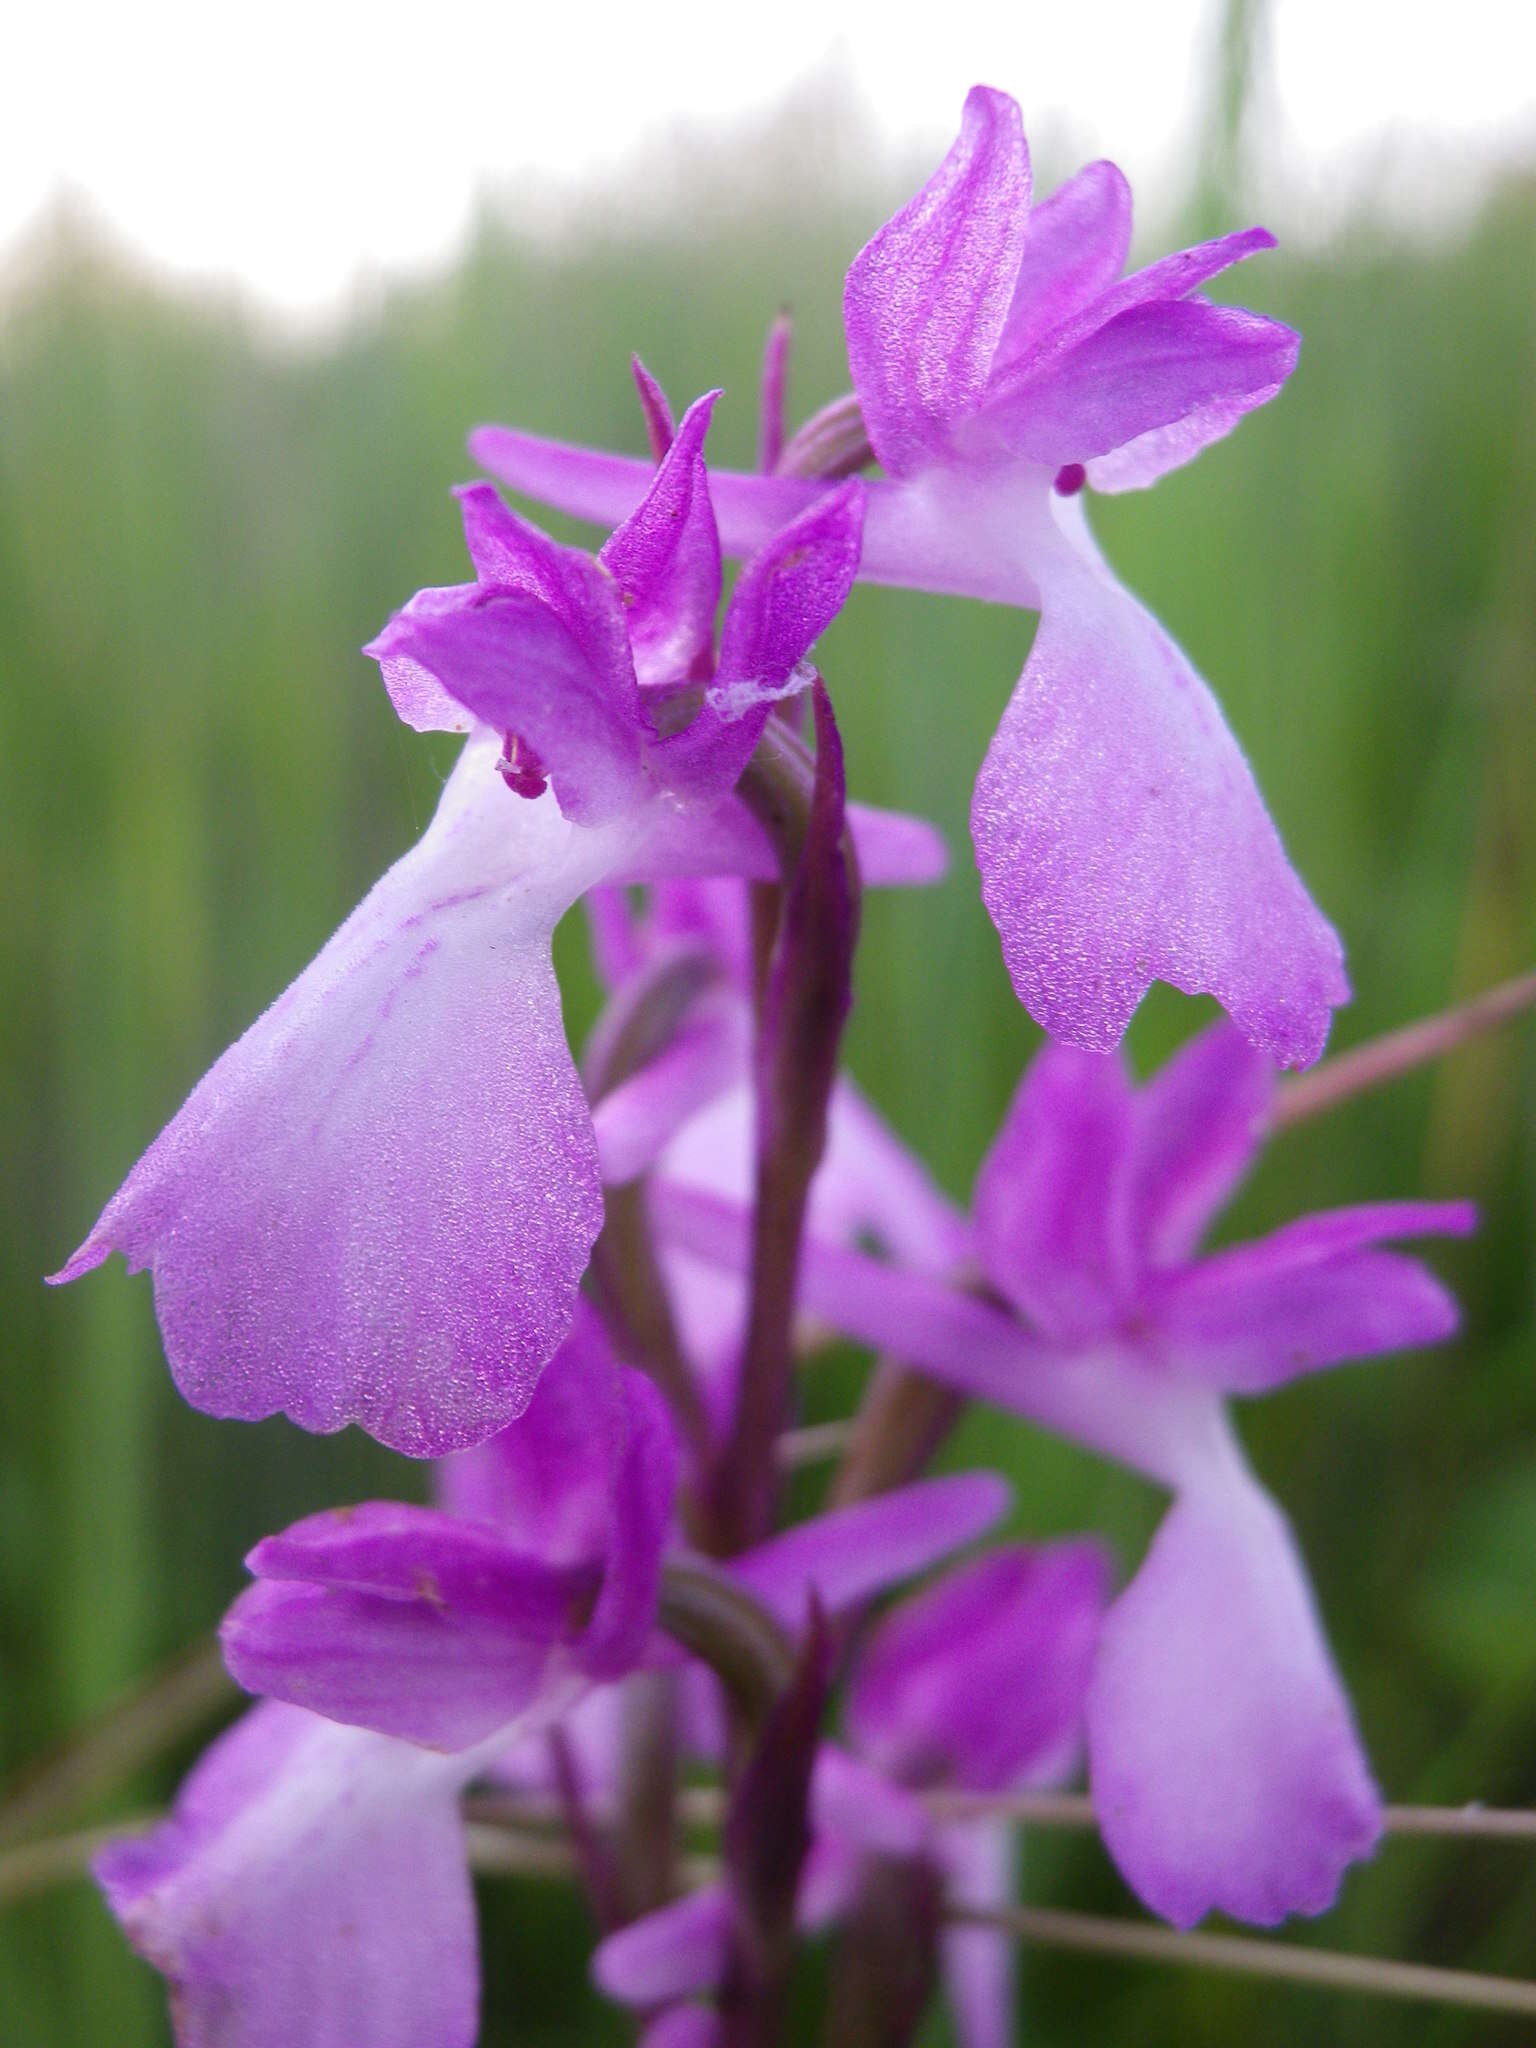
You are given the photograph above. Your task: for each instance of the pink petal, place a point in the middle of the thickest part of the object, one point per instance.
(870, 1185)
(536, 648)
(376, 1207)
(636, 1121)
(665, 559)
(850, 1554)
(1152, 455)
(655, 408)
(926, 301)
(1121, 839)
(1226, 1770)
(1311, 1295)
(1180, 365)
(896, 850)
(684, 2026)
(444, 1632)
(980, 1676)
(1169, 278)
(670, 1954)
(1074, 249)
(862, 1807)
(1103, 1397)
(587, 1476)
(310, 1890)
(419, 698)
(1049, 1218)
(1199, 1122)
(545, 1481)
(913, 537)
(787, 595)
(457, 1663)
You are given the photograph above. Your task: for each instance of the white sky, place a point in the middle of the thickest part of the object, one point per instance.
(294, 148)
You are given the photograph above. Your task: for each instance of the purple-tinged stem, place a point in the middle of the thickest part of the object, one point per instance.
(766, 1839)
(647, 1844)
(1398, 1052)
(886, 1969)
(804, 1010)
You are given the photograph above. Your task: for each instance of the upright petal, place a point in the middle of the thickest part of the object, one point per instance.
(786, 597)
(655, 408)
(1226, 1771)
(644, 1493)
(788, 594)
(1198, 1123)
(1121, 839)
(376, 1207)
(310, 1890)
(926, 301)
(1074, 249)
(1049, 1210)
(536, 648)
(665, 559)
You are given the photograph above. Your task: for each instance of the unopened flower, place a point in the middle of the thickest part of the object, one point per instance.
(1000, 361)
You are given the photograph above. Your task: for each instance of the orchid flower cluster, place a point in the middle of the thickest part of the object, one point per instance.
(583, 1291)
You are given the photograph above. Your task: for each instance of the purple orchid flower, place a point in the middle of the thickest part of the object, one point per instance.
(311, 1887)
(1000, 361)
(376, 1207)
(1225, 1765)
(977, 1683)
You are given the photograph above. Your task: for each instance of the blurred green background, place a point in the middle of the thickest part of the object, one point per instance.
(199, 525)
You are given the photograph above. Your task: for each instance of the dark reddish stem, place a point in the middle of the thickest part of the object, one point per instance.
(805, 1007)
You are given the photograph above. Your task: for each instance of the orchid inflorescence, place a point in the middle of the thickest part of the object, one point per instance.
(583, 1293)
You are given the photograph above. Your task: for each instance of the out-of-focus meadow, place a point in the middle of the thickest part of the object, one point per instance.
(201, 775)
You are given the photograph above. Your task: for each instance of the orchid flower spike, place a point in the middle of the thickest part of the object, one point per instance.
(1000, 361)
(377, 1205)
(1225, 1766)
